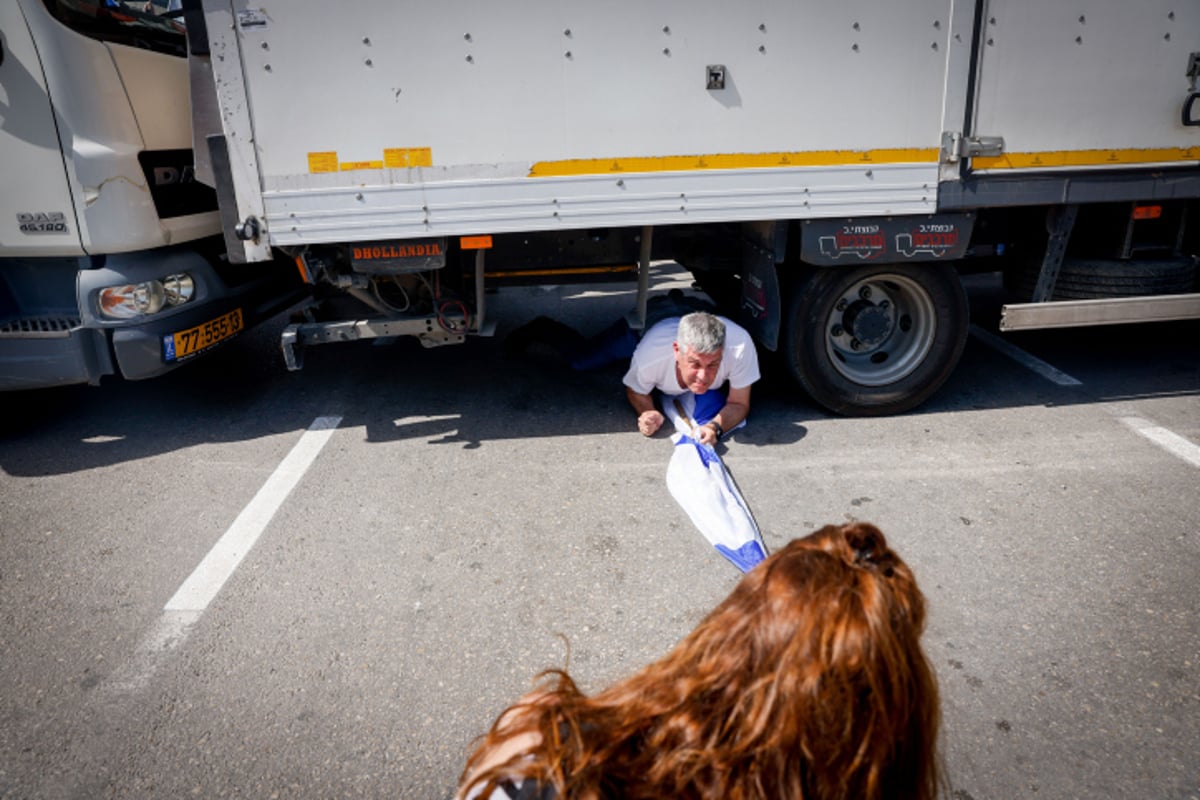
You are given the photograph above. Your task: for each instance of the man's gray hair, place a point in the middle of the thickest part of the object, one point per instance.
(701, 332)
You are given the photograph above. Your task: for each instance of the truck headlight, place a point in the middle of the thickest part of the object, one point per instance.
(133, 300)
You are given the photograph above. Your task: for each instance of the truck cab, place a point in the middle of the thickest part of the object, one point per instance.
(111, 259)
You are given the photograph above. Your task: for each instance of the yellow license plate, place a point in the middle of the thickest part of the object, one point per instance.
(180, 345)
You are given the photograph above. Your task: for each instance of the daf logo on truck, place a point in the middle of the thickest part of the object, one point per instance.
(170, 176)
(39, 222)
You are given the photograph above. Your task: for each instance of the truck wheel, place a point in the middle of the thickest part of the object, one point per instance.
(875, 340)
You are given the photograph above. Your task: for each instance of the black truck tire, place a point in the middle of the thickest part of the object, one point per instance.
(875, 340)
(1092, 278)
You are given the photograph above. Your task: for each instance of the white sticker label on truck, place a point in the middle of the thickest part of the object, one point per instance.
(252, 19)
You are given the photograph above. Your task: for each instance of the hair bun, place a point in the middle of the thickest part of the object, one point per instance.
(867, 544)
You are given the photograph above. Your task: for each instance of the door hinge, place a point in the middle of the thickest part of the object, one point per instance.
(956, 147)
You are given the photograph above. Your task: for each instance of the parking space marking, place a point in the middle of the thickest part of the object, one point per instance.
(1026, 360)
(1170, 441)
(203, 584)
(189, 602)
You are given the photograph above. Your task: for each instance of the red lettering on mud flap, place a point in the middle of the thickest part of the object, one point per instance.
(754, 296)
(929, 240)
(864, 245)
(887, 239)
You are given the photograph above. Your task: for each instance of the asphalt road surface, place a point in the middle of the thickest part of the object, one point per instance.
(236, 581)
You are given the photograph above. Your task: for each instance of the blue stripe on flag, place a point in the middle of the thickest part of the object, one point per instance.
(708, 456)
(745, 557)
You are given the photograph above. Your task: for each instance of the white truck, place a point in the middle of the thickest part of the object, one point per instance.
(827, 172)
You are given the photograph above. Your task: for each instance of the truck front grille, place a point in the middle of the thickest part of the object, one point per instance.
(38, 327)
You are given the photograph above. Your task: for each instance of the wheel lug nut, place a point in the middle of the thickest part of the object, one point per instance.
(884, 304)
(865, 293)
(855, 344)
(838, 330)
(841, 304)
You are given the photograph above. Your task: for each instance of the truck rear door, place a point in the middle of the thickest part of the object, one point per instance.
(1085, 85)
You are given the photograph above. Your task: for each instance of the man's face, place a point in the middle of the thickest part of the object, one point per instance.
(697, 371)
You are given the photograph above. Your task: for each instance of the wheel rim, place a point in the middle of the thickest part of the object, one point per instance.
(880, 329)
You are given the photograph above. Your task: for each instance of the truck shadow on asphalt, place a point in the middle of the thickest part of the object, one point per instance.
(1112, 364)
(465, 396)
(471, 395)
(467, 399)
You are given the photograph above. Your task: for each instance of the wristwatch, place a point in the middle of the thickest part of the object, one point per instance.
(716, 426)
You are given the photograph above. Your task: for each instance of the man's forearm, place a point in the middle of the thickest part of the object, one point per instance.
(641, 402)
(736, 408)
(731, 415)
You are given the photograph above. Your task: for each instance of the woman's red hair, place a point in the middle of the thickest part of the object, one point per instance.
(808, 681)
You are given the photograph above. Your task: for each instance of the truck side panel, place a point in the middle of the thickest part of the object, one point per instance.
(373, 119)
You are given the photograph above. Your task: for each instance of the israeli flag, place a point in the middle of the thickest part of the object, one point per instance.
(698, 480)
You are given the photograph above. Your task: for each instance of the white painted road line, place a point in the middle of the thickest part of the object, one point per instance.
(184, 609)
(1172, 442)
(1024, 359)
(203, 584)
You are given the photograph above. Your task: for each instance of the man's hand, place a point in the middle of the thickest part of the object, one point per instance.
(649, 422)
(650, 419)
(737, 406)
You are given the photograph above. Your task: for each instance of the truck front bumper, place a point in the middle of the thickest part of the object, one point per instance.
(41, 353)
(146, 348)
(58, 340)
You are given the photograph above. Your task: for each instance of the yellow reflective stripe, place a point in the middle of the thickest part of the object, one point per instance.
(804, 158)
(1087, 158)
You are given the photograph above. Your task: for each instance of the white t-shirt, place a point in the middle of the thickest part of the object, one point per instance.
(653, 363)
